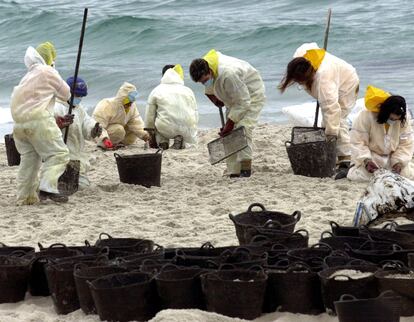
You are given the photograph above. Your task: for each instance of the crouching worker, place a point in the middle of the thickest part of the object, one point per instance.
(172, 111)
(239, 86)
(35, 132)
(381, 137)
(82, 127)
(120, 118)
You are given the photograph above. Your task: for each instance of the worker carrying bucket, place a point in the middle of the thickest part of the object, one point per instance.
(335, 84)
(236, 84)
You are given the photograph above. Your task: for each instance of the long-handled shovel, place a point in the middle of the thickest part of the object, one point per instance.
(223, 147)
(68, 182)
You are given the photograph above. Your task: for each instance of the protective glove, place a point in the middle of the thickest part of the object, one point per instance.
(107, 143)
(96, 131)
(330, 138)
(64, 121)
(370, 166)
(215, 100)
(396, 168)
(228, 127)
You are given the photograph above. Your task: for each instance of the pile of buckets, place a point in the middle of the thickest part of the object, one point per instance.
(360, 274)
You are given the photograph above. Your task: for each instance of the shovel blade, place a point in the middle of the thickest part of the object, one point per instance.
(221, 148)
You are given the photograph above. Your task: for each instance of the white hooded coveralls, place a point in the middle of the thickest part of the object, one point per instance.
(35, 132)
(172, 110)
(120, 125)
(335, 86)
(79, 131)
(370, 140)
(239, 86)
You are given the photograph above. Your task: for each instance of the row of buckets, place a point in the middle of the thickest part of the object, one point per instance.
(140, 169)
(360, 274)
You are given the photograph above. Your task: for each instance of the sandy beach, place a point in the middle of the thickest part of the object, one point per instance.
(190, 208)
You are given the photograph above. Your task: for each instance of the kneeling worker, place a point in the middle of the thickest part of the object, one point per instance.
(120, 118)
(381, 137)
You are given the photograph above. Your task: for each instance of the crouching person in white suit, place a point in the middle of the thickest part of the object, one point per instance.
(381, 137)
(172, 111)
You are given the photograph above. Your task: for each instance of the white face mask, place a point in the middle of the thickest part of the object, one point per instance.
(209, 82)
(391, 122)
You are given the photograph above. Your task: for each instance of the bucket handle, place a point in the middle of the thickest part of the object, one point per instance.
(333, 224)
(356, 262)
(393, 265)
(256, 204)
(301, 266)
(272, 224)
(260, 237)
(169, 267)
(326, 232)
(321, 245)
(392, 225)
(288, 144)
(297, 215)
(159, 150)
(18, 253)
(387, 293)
(207, 245)
(56, 245)
(278, 247)
(104, 251)
(232, 218)
(3, 244)
(212, 264)
(282, 261)
(117, 156)
(347, 297)
(104, 234)
(87, 243)
(339, 252)
(79, 266)
(226, 266)
(298, 232)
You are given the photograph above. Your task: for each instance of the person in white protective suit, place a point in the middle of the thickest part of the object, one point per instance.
(172, 111)
(35, 132)
(335, 84)
(381, 137)
(120, 118)
(237, 85)
(83, 127)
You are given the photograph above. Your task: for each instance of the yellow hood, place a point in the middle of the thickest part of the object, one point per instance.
(374, 97)
(179, 70)
(212, 59)
(47, 51)
(315, 57)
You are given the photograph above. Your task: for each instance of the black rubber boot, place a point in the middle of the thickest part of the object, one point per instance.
(342, 170)
(56, 197)
(246, 168)
(163, 145)
(178, 143)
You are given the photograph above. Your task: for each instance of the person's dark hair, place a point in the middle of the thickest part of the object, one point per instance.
(166, 67)
(298, 70)
(393, 104)
(198, 68)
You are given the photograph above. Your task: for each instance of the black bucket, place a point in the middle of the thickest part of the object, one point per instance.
(313, 158)
(18, 250)
(206, 250)
(38, 285)
(377, 252)
(385, 308)
(84, 273)
(405, 240)
(411, 260)
(153, 265)
(133, 245)
(86, 249)
(339, 242)
(235, 293)
(296, 289)
(141, 169)
(401, 282)
(14, 278)
(125, 296)
(334, 287)
(13, 156)
(344, 230)
(68, 182)
(180, 287)
(263, 219)
(62, 282)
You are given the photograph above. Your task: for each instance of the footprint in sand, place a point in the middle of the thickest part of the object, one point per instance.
(109, 187)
